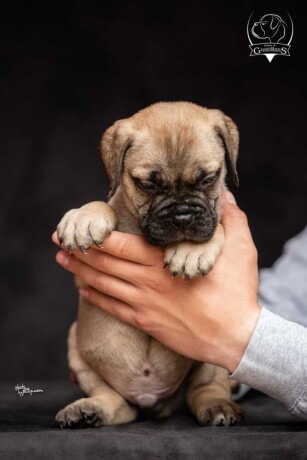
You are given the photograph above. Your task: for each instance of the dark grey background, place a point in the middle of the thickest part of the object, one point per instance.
(66, 74)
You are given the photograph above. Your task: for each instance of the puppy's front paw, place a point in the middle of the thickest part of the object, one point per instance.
(190, 260)
(220, 412)
(86, 226)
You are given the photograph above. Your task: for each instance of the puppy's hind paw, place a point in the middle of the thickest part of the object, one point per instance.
(220, 412)
(80, 414)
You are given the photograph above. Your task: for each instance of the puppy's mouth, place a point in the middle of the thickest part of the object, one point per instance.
(180, 221)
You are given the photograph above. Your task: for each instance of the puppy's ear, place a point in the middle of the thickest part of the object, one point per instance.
(229, 135)
(114, 144)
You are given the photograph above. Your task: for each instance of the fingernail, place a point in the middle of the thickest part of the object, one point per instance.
(230, 198)
(83, 292)
(62, 258)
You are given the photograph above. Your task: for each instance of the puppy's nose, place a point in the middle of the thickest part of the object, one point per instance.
(182, 219)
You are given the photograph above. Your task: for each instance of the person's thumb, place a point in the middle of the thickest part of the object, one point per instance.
(229, 197)
(233, 219)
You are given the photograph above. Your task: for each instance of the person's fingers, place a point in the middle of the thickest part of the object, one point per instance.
(132, 272)
(126, 246)
(238, 237)
(230, 209)
(131, 247)
(233, 219)
(102, 282)
(55, 239)
(114, 307)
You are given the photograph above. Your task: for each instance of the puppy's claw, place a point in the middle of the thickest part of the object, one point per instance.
(233, 421)
(187, 277)
(82, 249)
(166, 264)
(205, 272)
(174, 274)
(69, 248)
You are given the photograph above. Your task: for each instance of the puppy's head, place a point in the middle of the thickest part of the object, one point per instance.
(169, 161)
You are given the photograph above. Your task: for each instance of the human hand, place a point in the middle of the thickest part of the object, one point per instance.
(207, 319)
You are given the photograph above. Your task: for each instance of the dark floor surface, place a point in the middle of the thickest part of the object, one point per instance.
(27, 431)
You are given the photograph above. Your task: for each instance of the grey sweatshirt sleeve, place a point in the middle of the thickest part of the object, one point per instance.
(275, 360)
(283, 287)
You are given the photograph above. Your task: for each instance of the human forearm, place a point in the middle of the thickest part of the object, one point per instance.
(283, 287)
(275, 362)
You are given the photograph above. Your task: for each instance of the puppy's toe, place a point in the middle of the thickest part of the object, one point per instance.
(168, 255)
(82, 234)
(69, 239)
(191, 267)
(66, 231)
(176, 265)
(63, 223)
(99, 229)
(205, 263)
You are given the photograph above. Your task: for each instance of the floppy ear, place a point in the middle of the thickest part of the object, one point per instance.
(274, 22)
(114, 144)
(229, 135)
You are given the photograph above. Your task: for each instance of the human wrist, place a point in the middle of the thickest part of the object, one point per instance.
(232, 343)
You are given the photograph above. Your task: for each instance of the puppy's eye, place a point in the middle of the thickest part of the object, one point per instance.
(209, 179)
(146, 186)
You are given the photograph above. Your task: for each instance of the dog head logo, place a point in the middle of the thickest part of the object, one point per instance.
(270, 27)
(270, 35)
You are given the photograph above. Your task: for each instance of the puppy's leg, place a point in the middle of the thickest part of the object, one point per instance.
(104, 406)
(193, 259)
(208, 396)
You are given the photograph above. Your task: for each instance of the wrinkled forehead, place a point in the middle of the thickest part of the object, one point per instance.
(177, 153)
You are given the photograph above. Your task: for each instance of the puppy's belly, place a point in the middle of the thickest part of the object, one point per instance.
(138, 367)
(145, 389)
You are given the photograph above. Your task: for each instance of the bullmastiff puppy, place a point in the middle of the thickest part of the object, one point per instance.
(166, 165)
